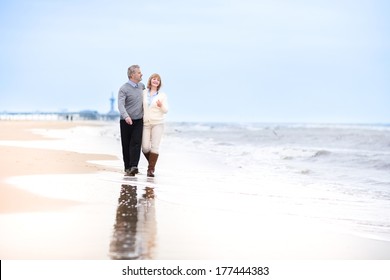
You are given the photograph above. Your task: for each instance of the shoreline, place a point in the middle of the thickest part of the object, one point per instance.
(21, 161)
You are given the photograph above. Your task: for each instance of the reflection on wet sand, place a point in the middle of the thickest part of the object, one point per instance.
(135, 226)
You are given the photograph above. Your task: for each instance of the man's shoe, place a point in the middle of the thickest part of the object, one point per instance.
(133, 171)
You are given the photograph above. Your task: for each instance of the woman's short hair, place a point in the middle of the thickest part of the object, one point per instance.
(155, 75)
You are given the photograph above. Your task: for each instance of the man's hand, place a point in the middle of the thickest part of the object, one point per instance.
(129, 121)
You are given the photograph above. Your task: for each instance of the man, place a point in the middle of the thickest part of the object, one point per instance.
(131, 119)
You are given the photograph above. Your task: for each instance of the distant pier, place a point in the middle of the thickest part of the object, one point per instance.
(112, 115)
(65, 116)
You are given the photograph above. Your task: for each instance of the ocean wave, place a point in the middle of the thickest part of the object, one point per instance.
(382, 166)
(321, 153)
(224, 144)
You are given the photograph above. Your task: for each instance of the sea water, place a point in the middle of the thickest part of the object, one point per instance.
(337, 174)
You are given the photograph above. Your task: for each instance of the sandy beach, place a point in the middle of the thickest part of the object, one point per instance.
(57, 202)
(19, 161)
(26, 215)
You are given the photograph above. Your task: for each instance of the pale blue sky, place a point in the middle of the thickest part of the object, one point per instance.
(238, 60)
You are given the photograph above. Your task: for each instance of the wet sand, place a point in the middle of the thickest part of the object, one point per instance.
(62, 204)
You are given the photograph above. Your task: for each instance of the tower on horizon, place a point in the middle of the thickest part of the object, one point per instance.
(112, 101)
(112, 114)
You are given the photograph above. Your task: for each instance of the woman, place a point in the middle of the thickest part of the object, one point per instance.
(155, 107)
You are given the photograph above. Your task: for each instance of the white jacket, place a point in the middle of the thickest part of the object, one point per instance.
(153, 114)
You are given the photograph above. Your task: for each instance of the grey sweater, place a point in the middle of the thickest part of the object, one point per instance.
(130, 101)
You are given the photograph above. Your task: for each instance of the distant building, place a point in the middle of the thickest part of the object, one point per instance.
(89, 115)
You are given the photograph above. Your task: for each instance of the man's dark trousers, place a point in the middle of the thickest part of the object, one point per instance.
(131, 138)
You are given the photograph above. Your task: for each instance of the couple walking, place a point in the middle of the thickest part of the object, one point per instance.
(142, 112)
